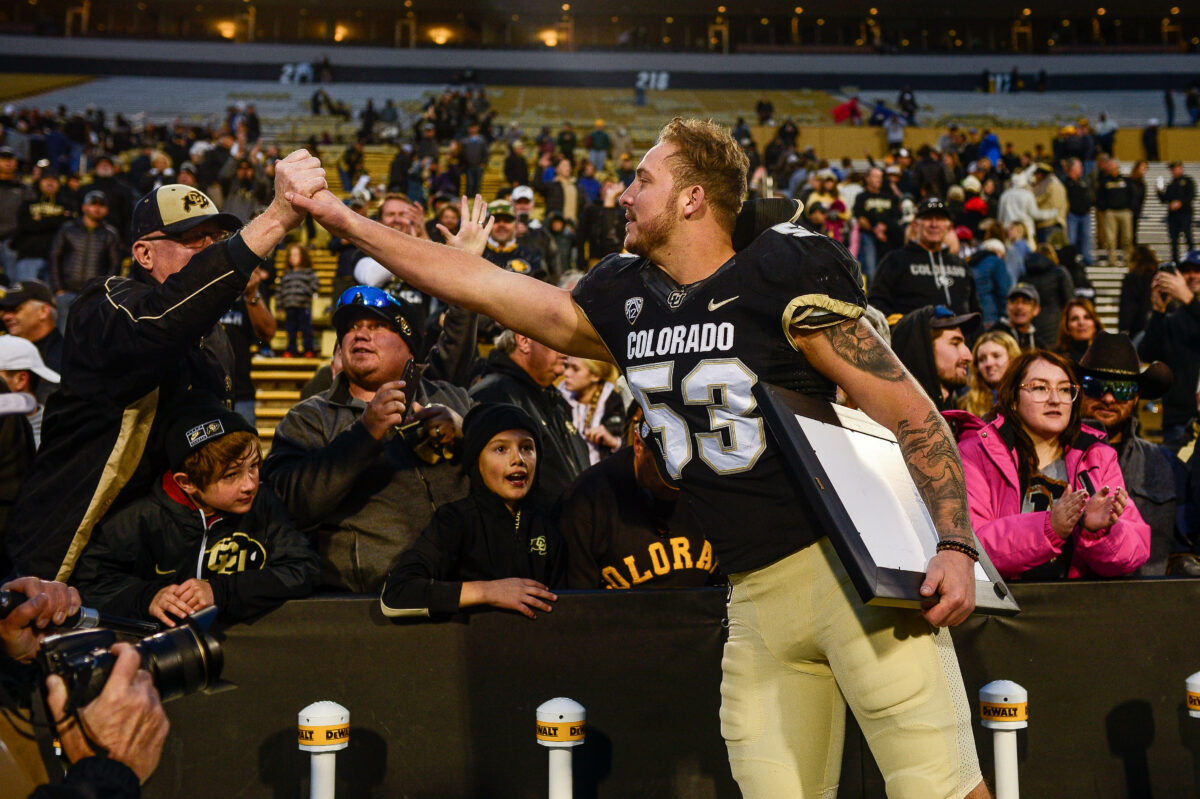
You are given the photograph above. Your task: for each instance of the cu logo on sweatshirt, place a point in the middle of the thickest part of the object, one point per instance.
(235, 553)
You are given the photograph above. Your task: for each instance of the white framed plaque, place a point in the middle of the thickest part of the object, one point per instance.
(853, 474)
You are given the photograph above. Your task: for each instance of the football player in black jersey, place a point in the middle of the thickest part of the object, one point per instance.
(694, 325)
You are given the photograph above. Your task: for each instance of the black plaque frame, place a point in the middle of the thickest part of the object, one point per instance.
(877, 585)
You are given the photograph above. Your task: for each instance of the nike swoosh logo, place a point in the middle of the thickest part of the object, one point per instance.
(712, 306)
(160, 571)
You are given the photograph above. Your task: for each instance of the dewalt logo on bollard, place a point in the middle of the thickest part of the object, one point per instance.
(989, 711)
(324, 736)
(558, 733)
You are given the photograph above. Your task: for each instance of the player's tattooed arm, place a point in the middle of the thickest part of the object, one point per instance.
(854, 356)
(857, 344)
(933, 461)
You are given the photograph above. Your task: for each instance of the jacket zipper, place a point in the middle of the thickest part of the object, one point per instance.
(203, 544)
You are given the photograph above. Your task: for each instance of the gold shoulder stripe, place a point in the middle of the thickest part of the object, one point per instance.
(135, 319)
(800, 308)
(122, 462)
(401, 613)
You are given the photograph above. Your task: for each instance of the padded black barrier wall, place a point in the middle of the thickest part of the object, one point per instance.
(447, 709)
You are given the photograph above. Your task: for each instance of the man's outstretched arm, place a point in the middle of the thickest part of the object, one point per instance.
(518, 302)
(853, 355)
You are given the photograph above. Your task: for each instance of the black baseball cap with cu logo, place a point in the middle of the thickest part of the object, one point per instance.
(174, 209)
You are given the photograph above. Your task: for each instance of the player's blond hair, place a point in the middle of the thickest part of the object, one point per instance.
(707, 156)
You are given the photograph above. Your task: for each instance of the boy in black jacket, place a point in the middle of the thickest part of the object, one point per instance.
(205, 535)
(497, 546)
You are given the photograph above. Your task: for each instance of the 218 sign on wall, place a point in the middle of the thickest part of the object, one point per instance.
(653, 81)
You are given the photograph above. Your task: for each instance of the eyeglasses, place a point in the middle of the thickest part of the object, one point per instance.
(1040, 392)
(1122, 390)
(192, 240)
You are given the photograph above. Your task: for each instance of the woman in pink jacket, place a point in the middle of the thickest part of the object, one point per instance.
(1046, 496)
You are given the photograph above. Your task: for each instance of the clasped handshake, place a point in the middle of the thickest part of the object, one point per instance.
(301, 188)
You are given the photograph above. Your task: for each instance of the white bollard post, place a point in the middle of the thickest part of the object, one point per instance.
(560, 726)
(1004, 709)
(1193, 695)
(324, 730)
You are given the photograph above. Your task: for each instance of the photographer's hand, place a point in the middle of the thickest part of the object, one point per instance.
(127, 719)
(48, 603)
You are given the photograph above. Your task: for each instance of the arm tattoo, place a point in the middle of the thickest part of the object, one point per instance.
(934, 464)
(856, 344)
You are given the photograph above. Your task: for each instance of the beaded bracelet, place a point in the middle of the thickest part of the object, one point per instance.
(959, 546)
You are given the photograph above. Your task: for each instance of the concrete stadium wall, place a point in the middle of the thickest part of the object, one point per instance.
(446, 709)
(600, 69)
(838, 141)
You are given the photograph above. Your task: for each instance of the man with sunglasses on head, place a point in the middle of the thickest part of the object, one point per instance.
(133, 346)
(1112, 381)
(362, 464)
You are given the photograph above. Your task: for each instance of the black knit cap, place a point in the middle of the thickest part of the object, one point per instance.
(486, 420)
(199, 421)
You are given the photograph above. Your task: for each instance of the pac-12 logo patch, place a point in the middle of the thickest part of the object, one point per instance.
(633, 308)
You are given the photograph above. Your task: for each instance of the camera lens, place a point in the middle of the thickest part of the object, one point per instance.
(182, 661)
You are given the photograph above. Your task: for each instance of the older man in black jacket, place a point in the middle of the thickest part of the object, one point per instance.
(134, 345)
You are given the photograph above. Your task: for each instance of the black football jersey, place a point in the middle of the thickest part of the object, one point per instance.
(692, 354)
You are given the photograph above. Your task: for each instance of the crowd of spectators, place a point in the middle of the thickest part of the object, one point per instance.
(973, 254)
(448, 464)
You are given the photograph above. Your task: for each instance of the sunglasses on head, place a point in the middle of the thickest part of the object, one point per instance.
(368, 296)
(1097, 387)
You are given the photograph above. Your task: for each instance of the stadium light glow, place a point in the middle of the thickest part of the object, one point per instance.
(227, 29)
(549, 37)
(340, 33)
(440, 35)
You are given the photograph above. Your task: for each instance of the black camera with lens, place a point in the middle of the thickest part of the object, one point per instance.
(181, 661)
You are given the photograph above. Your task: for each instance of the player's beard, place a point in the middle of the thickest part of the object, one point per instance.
(652, 234)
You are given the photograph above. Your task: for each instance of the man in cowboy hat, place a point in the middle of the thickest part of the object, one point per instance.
(1112, 381)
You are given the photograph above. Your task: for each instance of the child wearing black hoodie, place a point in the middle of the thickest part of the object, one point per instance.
(206, 534)
(497, 546)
